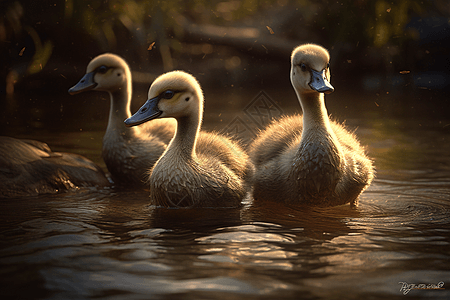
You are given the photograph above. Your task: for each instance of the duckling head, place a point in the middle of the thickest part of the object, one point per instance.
(310, 72)
(175, 94)
(106, 72)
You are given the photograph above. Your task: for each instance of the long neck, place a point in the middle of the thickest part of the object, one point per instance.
(119, 110)
(315, 114)
(319, 157)
(185, 139)
(317, 130)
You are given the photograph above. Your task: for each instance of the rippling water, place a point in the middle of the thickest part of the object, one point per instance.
(111, 244)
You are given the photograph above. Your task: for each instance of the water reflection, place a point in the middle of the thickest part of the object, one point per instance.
(100, 243)
(111, 244)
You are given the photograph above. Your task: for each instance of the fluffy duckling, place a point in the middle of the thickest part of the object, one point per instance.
(197, 169)
(309, 159)
(127, 152)
(30, 168)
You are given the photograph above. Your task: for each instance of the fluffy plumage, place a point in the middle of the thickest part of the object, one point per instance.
(128, 152)
(198, 169)
(30, 168)
(309, 159)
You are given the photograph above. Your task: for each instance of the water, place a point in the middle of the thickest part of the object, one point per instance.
(111, 244)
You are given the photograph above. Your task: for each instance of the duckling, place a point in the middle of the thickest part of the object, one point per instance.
(309, 159)
(127, 152)
(198, 169)
(30, 168)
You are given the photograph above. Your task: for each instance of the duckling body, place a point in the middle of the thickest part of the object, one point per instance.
(309, 159)
(198, 169)
(30, 168)
(128, 152)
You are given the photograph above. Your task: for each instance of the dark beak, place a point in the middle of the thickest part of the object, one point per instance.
(85, 84)
(147, 112)
(320, 83)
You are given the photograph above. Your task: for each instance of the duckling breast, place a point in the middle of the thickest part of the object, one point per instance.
(194, 184)
(317, 168)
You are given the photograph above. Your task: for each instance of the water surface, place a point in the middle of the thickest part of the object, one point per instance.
(112, 244)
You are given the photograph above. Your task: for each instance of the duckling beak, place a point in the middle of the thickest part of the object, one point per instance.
(320, 83)
(147, 112)
(85, 84)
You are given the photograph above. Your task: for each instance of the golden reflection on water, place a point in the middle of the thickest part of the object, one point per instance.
(91, 242)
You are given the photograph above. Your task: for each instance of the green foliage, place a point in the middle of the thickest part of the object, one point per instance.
(42, 53)
(390, 20)
(373, 23)
(368, 23)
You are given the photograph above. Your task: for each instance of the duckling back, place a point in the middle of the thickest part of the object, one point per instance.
(130, 157)
(228, 151)
(30, 168)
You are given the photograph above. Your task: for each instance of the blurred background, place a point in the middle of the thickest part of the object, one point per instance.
(388, 58)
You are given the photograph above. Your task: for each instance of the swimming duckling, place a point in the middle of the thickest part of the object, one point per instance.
(30, 168)
(128, 152)
(309, 159)
(197, 169)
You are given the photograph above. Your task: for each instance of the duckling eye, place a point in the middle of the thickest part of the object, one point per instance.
(303, 67)
(328, 65)
(102, 69)
(168, 94)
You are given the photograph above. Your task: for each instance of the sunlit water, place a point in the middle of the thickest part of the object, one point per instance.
(112, 244)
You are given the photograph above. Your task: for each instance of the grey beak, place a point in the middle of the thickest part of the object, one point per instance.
(147, 112)
(85, 84)
(320, 83)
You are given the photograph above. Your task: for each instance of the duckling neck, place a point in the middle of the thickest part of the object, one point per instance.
(119, 111)
(315, 115)
(318, 160)
(317, 134)
(185, 139)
